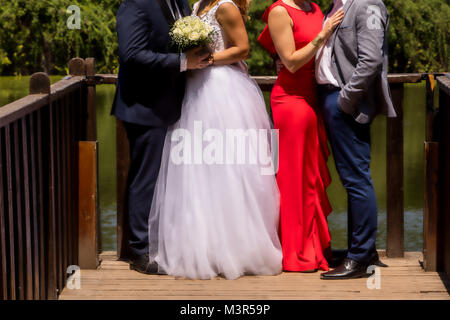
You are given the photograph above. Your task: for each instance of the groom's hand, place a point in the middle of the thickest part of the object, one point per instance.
(197, 59)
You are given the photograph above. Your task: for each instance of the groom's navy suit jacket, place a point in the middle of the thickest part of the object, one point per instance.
(150, 86)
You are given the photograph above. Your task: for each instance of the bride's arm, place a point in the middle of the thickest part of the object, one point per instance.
(233, 26)
(280, 27)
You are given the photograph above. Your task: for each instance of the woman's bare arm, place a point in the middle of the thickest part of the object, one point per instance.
(280, 27)
(233, 26)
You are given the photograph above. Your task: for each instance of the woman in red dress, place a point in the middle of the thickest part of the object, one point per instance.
(295, 33)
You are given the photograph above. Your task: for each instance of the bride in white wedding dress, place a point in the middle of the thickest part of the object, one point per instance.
(215, 210)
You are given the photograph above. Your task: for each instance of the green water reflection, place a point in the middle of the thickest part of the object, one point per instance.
(12, 88)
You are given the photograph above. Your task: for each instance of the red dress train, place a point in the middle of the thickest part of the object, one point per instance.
(303, 174)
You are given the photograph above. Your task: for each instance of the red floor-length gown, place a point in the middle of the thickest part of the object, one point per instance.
(303, 174)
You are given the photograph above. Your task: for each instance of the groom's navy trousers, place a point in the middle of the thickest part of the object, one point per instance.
(350, 143)
(146, 147)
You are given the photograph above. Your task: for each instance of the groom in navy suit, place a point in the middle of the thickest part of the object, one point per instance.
(149, 94)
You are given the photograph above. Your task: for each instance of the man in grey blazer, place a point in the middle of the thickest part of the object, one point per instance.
(351, 73)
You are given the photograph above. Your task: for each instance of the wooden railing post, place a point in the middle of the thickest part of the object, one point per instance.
(39, 83)
(91, 127)
(431, 113)
(4, 258)
(394, 171)
(431, 180)
(77, 67)
(431, 206)
(87, 195)
(91, 131)
(88, 211)
(444, 175)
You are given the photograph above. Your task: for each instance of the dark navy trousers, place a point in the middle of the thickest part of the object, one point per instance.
(350, 143)
(146, 147)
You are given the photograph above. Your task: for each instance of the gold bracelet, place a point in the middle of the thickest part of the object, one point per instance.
(211, 59)
(317, 42)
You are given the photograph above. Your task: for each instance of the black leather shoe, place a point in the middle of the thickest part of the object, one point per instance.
(143, 265)
(349, 269)
(375, 261)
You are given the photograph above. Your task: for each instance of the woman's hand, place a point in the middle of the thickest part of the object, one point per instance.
(331, 24)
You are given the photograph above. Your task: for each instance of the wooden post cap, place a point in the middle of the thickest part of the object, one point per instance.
(77, 67)
(39, 83)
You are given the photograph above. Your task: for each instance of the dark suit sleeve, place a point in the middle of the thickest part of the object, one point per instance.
(371, 20)
(133, 34)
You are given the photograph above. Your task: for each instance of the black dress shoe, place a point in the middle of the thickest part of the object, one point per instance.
(349, 269)
(142, 264)
(375, 261)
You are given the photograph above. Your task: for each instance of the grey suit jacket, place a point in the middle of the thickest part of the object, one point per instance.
(360, 59)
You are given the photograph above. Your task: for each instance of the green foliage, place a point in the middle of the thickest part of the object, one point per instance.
(419, 35)
(259, 62)
(34, 35)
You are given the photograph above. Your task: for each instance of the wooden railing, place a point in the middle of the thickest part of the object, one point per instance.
(48, 180)
(39, 180)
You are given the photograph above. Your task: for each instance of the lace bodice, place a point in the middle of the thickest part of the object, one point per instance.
(220, 42)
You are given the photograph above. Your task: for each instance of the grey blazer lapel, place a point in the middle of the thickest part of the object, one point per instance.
(347, 6)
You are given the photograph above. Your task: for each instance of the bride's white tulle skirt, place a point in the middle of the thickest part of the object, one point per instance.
(212, 216)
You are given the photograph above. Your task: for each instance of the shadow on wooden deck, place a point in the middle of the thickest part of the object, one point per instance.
(404, 279)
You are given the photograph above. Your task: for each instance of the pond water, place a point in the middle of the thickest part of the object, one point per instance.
(12, 88)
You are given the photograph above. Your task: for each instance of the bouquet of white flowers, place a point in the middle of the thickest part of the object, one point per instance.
(190, 32)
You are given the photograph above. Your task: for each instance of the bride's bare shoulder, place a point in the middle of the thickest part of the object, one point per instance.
(227, 6)
(228, 10)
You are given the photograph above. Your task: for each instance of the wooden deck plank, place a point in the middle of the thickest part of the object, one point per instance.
(404, 279)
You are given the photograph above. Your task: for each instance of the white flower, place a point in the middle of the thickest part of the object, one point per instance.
(194, 36)
(190, 31)
(204, 34)
(177, 32)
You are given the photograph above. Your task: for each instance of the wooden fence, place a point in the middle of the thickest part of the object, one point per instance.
(39, 179)
(48, 180)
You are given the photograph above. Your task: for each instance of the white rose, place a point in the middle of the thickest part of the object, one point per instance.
(187, 31)
(198, 25)
(204, 34)
(194, 36)
(177, 32)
